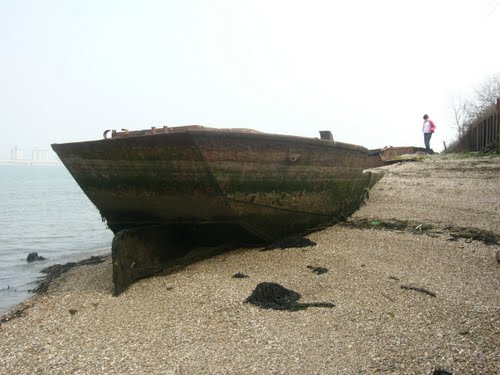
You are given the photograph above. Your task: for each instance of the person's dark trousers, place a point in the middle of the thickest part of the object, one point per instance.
(427, 141)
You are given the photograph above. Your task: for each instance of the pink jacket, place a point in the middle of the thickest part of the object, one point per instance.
(431, 127)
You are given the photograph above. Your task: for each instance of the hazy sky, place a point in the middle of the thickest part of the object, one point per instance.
(366, 70)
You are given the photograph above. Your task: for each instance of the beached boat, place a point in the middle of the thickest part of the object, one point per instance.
(216, 182)
(164, 192)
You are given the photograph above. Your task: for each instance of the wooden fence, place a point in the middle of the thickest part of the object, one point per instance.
(483, 135)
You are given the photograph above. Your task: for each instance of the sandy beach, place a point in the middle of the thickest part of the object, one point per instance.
(412, 281)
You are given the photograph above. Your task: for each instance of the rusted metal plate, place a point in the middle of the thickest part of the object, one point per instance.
(272, 185)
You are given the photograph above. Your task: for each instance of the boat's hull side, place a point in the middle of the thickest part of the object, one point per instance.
(270, 185)
(284, 185)
(146, 181)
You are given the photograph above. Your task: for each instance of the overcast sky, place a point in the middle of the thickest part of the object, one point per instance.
(366, 70)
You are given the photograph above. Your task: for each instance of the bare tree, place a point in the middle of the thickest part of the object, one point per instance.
(487, 94)
(481, 105)
(461, 112)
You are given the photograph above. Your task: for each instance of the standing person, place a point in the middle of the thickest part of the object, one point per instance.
(428, 128)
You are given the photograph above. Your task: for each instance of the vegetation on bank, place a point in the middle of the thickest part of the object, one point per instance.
(468, 111)
(478, 112)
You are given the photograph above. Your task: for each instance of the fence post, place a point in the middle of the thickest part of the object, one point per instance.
(478, 134)
(497, 124)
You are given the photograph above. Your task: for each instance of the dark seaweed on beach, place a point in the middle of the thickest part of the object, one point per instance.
(439, 371)
(290, 242)
(268, 295)
(318, 270)
(240, 275)
(15, 313)
(485, 236)
(56, 270)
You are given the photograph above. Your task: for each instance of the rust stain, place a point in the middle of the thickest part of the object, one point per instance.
(194, 175)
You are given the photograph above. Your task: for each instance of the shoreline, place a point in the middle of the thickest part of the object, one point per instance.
(54, 272)
(410, 289)
(51, 274)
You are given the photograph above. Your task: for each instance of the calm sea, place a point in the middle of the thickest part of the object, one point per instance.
(43, 210)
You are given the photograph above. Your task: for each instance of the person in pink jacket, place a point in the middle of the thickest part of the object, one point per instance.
(428, 128)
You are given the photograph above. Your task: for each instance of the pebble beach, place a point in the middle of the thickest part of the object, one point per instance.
(409, 285)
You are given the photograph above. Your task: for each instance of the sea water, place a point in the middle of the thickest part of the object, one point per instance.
(43, 210)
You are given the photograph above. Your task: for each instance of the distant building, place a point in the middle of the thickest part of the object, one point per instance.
(16, 154)
(39, 155)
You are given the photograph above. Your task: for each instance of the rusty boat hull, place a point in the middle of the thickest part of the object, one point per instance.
(195, 178)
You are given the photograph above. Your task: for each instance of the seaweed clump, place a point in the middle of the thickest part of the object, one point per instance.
(268, 295)
(240, 275)
(56, 270)
(290, 242)
(487, 237)
(318, 270)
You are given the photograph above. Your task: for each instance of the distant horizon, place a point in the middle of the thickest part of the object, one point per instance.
(28, 154)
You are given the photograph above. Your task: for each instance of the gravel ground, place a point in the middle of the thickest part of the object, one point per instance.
(406, 301)
(457, 192)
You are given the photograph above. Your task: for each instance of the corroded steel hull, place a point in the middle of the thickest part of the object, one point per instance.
(268, 185)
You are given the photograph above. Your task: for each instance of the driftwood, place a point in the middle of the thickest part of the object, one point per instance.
(422, 290)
